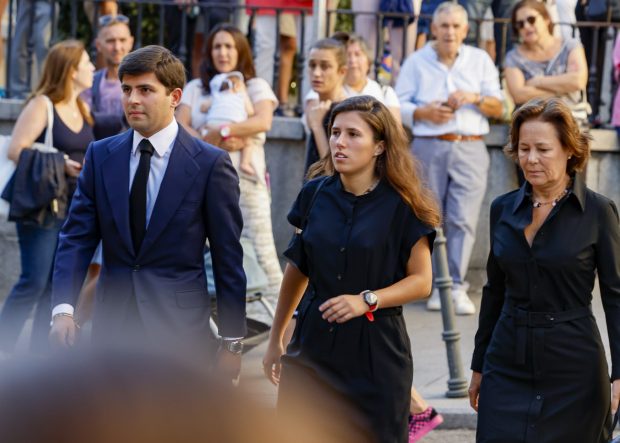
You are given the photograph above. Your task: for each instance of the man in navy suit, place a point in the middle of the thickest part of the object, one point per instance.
(153, 195)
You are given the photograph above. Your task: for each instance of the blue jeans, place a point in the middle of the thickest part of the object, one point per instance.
(37, 247)
(33, 23)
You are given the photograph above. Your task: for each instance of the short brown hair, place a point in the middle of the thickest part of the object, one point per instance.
(537, 6)
(156, 59)
(554, 111)
(245, 61)
(396, 164)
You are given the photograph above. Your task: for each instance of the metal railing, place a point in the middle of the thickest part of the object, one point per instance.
(187, 14)
(601, 33)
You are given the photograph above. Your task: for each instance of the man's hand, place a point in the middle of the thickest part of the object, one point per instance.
(228, 364)
(460, 98)
(435, 112)
(63, 333)
(343, 308)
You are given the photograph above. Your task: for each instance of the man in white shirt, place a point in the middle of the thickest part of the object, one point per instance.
(153, 195)
(447, 91)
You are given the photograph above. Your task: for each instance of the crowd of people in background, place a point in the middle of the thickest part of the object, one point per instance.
(492, 26)
(444, 88)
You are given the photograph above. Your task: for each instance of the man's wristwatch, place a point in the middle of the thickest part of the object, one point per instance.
(371, 299)
(225, 132)
(232, 346)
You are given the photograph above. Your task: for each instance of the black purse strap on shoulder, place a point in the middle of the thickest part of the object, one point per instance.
(314, 195)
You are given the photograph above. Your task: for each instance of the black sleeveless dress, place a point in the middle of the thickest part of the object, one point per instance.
(74, 144)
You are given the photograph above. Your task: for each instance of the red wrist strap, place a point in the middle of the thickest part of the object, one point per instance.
(370, 316)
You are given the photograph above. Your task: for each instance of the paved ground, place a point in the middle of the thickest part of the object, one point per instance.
(431, 369)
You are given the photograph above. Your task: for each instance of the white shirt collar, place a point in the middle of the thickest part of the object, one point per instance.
(162, 141)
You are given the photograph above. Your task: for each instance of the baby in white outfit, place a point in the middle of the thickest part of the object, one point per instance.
(230, 103)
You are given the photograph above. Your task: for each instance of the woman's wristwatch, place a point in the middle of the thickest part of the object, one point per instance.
(371, 299)
(225, 131)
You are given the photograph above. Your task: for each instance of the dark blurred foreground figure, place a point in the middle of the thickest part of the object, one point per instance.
(540, 373)
(118, 397)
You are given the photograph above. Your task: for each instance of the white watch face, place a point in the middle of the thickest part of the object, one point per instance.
(370, 298)
(225, 131)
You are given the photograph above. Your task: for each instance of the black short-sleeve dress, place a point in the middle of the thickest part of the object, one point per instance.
(544, 373)
(352, 243)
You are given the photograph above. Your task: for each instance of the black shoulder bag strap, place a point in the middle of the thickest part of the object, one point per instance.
(304, 220)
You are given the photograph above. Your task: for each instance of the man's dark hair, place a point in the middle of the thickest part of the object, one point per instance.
(156, 59)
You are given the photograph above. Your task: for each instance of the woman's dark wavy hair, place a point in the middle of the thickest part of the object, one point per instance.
(245, 63)
(396, 164)
(555, 111)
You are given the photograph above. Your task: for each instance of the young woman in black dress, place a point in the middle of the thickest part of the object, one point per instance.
(365, 251)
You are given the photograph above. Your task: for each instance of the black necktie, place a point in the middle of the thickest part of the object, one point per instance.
(137, 196)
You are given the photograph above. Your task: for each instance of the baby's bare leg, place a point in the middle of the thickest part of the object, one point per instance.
(245, 162)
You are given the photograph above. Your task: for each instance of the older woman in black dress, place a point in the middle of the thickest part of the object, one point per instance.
(365, 251)
(540, 373)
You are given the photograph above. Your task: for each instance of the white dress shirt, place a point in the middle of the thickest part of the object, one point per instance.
(424, 79)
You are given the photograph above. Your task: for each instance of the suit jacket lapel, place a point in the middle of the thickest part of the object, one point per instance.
(178, 178)
(115, 168)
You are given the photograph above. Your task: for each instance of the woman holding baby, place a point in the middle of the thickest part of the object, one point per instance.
(206, 111)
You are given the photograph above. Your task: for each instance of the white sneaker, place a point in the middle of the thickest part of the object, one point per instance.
(434, 302)
(462, 303)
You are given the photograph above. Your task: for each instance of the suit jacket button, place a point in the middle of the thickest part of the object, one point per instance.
(136, 268)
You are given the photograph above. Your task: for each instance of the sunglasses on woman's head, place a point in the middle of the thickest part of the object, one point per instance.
(520, 24)
(106, 20)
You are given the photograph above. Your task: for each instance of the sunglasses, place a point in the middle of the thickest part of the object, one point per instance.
(106, 20)
(520, 24)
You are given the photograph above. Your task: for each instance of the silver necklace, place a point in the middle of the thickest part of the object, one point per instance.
(372, 187)
(538, 203)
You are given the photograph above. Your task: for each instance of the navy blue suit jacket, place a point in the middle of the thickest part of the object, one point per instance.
(198, 199)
